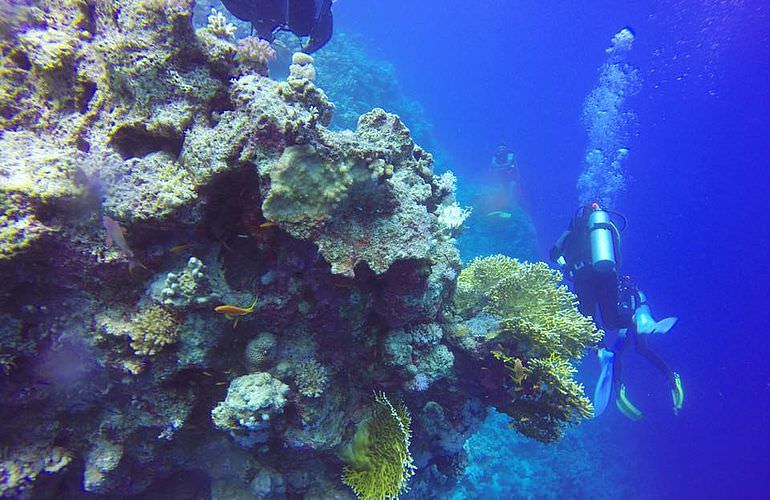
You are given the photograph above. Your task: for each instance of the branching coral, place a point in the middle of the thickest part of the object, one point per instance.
(548, 399)
(218, 25)
(187, 287)
(151, 330)
(379, 460)
(535, 309)
(311, 378)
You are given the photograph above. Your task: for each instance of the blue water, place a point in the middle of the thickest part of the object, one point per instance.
(698, 237)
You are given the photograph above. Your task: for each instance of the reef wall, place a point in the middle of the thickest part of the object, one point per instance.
(205, 288)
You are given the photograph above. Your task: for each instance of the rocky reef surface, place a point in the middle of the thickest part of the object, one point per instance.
(205, 289)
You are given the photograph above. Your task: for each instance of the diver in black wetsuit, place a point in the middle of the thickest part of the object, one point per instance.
(589, 254)
(311, 18)
(503, 167)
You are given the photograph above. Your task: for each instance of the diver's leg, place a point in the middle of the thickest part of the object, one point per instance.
(618, 348)
(677, 391)
(607, 297)
(653, 357)
(622, 402)
(585, 290)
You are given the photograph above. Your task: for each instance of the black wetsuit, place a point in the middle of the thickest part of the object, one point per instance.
(608, 298)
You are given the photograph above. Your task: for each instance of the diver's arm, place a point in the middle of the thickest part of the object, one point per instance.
(557, 250)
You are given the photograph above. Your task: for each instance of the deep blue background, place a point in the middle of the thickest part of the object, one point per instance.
(699, 235)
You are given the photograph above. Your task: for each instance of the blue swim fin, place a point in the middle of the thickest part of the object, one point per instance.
(645, 323)
(604, 384)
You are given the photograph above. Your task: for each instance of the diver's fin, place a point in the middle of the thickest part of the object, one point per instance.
(645, 323)
(664, 325)
(677, 394)
(323, 29)
(604, 384)
(626, 407)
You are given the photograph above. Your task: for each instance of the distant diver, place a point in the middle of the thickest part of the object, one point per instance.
(503, 166)
(589, 253)
(311, 18)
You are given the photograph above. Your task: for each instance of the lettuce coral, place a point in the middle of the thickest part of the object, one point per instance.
(379, 460)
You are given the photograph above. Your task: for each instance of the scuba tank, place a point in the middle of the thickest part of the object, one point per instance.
(603, 234)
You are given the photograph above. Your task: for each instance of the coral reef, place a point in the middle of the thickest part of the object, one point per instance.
(225, 191)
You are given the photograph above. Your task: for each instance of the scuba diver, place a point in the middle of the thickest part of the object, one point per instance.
(312, 18)
(504, 166)
(504, 170)
(589, 254)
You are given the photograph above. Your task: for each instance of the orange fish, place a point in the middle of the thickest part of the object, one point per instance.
(235, 312)
(177, 249)
(268, 224)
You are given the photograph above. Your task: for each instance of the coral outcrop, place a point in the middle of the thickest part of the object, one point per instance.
(223, 191)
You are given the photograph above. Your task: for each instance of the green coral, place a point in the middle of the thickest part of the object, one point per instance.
(547, 399)
(151, 330)
(536, 311)
(379, 460)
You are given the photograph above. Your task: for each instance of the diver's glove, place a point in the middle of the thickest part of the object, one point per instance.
(677, 393)
(625, 406)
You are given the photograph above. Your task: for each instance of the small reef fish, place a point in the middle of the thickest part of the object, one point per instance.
(116, 236)
(501, 214)
(235, 312)
(267, 225)
(185, 247)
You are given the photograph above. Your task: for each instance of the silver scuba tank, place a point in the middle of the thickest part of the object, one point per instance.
(601, 229)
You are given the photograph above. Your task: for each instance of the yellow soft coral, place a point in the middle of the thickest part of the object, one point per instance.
(379, 460)
(534, 308)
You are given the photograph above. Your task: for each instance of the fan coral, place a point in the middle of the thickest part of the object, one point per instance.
(379, 460)
(311, 378)
(535, 309)
(151, 330)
